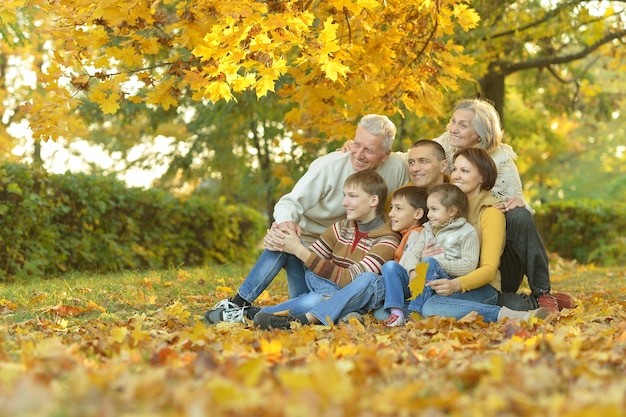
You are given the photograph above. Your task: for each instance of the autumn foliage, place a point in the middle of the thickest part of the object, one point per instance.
(376, 56)
(136, 347)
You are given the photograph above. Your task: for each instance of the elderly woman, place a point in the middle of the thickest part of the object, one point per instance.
(476, 124)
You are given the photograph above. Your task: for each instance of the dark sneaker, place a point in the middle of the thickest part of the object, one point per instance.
(548, 302)
(266, 321)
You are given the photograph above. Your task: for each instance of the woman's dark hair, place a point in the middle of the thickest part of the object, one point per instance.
(483, 162)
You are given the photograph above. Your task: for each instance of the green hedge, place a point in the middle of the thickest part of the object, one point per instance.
(590, 231)
(56, 223)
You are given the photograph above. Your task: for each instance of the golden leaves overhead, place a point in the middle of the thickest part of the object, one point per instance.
(338, 60)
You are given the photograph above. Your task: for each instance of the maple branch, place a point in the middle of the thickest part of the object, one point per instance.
(430, 37)
(536, 23)
(347, 18)
(573, 79)
(545, 62)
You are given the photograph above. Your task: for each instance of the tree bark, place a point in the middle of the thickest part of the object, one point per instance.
(492, 87)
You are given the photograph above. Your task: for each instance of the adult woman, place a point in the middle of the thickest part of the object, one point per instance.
(475, 174)
(475, 124)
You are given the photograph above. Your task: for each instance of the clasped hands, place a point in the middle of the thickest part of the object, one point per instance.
(283, 237)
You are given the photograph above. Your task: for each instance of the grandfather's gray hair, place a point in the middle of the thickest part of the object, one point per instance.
(381, 126)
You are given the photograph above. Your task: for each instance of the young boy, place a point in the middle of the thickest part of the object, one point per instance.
(361, 243)
(408, 214)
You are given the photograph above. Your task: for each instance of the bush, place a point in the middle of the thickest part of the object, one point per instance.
(585, 230)
(56, 223)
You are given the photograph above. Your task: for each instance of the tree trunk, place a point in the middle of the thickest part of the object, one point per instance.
(37, 159)
(492, 88)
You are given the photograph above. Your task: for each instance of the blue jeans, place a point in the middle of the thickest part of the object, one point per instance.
(396, 280)
(481, 300)
(265, 270)
(329, 303)
(434, 271)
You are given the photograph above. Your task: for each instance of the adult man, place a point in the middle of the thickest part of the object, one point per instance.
(427, 165)
(314, 204)
(316, 200)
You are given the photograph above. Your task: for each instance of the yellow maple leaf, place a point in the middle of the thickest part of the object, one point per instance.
(272, 349)
(218, 90)
(334, 69)
(466, 17)
(416, 285)
(110, 105)
(265, 84)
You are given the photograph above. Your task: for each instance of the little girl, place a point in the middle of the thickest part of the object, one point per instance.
(447, 228)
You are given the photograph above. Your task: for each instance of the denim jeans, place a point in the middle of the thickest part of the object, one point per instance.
(481, 300)
(396, 280)
(265, 270)
(318, 290)
(434, 271)
(329, 303)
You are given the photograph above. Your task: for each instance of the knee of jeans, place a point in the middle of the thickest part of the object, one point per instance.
(427, 309)
(311, 300)
(389, 267)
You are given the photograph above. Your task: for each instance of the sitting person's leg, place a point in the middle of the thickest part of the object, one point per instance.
(266, 268)
(396, 281)
(525, 255)
(365, 293)
(482, 301)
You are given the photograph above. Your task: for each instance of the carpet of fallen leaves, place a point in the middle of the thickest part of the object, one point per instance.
(164, 361)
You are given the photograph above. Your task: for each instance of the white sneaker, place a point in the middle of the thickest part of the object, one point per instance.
(226, 311)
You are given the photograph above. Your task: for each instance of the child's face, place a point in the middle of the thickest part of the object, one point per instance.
(403, 216)
(360, 206)
(437, 213)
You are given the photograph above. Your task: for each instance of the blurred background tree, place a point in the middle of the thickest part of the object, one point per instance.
(243, 95)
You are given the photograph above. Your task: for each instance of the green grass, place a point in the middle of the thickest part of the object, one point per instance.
(118, 296)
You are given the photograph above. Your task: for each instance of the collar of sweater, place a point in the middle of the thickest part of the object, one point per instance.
(373, 224)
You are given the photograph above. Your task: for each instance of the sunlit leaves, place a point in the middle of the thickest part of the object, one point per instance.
(378, 56)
